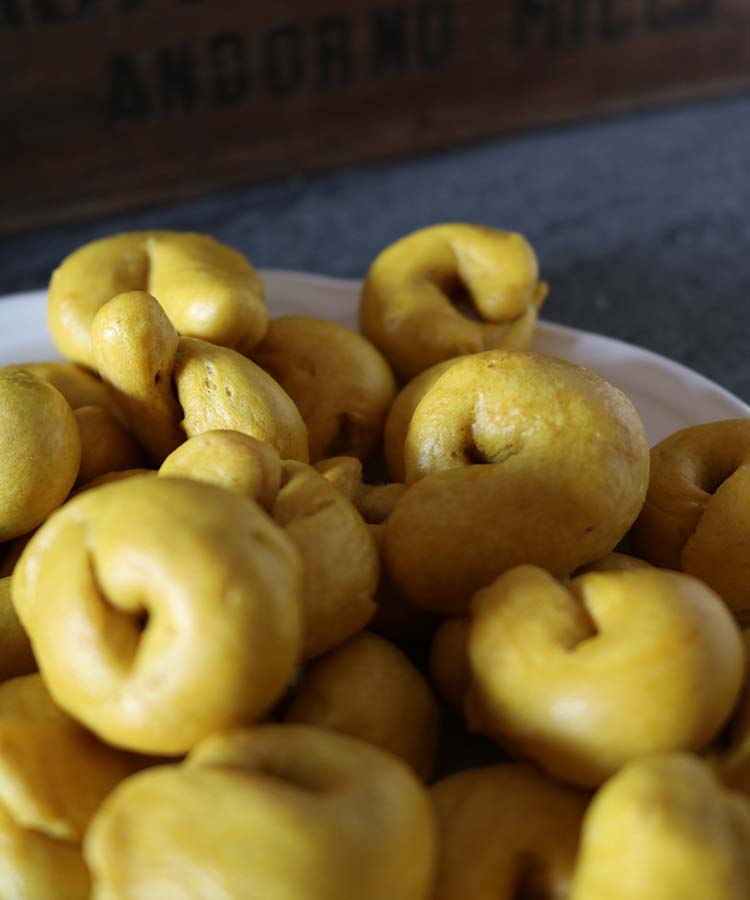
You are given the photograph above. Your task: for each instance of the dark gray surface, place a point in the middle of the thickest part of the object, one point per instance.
(641, 225)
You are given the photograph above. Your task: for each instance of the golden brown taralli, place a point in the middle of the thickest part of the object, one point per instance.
(368, 689)
(340, 383)
(449, 661)
(16, 656)
(79, 386)
(663, 828)
(53, 777)
(537, 461)
(282, 811)
(584, 677)
(410, 305)
(40, 451)
(106, 444)
(207, 289)
(231, 460)
(161, 610)
(730, 755)
(697, 511)
(375, 502)
(505, 832)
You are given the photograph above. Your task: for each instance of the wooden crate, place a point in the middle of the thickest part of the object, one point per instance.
(107, 104)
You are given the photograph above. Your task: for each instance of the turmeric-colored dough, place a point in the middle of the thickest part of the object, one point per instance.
(663, 828)
(207, 289)
(280, 811)
(506, 832)
(697, 511)
(449, 661)
(106, 444)
(53, 777)
(161, 610)
(586, 676)
(340, 383)
(40, 451)
(79, 386)
(512, 457)
(411, 299)
(368, 689)
(16, 656)
(374, 501)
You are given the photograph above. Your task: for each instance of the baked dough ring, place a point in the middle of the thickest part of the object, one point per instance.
(697, 511)
(40, 451)
(408, 300)
(53, 777)
(538, 461)
(375, 502)
(161, 610)
(282, 811)
(16, 656)
(207, 289)
(171, 387)
(506, 831)
(730, 757)
(340, 383)
(664, 829)
(368, 689)
(585, 677)
(449, 661)
(79, 386)
(106, 444)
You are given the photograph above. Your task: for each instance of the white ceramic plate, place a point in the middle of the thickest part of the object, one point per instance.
(667, 395)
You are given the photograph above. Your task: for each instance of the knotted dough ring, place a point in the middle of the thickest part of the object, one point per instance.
(208, 290)
(585, 677)
(172, 387)
(408, 306)
(697, 511)
(281, 811)
(506, 831)
(340, 383)
(512, 457)
(161, 610)
(664, 828)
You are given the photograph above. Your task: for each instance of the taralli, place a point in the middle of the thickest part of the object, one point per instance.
(368, 689)
(697, 511)
(502, 440)
(664, 829)
(506, 832)
(161, 610)
(585, 677)
(615, 562)
(53, 777)
(208, 290)
(375, 502)
(730, 756)
(16, 656)
(410, 296)
(173, 387)
(401, 412)
(106, 444)
(231, 460)
(449, 661)
(340, 383)
(79, 386)
(340, 562)
(40, 452)
(278, 811)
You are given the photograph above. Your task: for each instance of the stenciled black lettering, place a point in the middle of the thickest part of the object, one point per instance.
(388, 40)
(11, 15)
(435, 33)
(231, 73)
(530, 13)
(663, 15)
(282, 53)
(334, 52)
(613, 25)
(127, 98)
(178, 85)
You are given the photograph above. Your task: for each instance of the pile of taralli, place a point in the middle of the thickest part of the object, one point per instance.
(241, 662)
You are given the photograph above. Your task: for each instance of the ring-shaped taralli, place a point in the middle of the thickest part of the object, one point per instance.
(340, 383)
(664, 828)
(161, 610)
(697, 511)
(283, 811)
(207, 289)
(173, 387)
(411, 294)
(538, 461)
(506, 831)
(585, 677)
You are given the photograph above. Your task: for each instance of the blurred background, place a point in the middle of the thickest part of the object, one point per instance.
(615, 134)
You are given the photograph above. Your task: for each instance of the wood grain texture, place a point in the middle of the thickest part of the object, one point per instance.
(110, 104)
